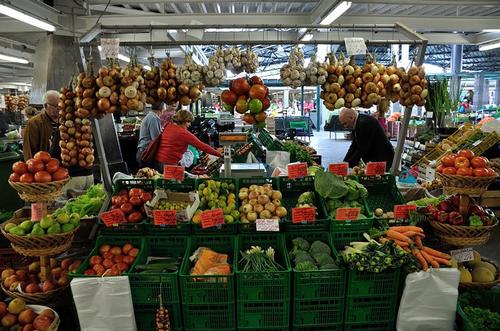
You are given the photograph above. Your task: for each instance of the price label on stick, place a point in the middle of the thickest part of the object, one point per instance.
(110, 47)
(375, 168)
(173, 172)
(401, 211)
(267, 225)
(347, 214)
(38, 211)
(306, 214)
(340, 169)
(113, 217)
(355, 46)
(164, 217)
(463, 255)
(297, 170)
(210, 218)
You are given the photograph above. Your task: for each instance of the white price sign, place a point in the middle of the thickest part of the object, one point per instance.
(271, 125)
(355, 46)
(463, 255)
(477, 143)
(110, 47)
(429, 114)
(267, 225)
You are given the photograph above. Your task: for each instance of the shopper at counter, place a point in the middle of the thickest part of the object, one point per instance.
(150, 129)
(369, 141)
(176, 138)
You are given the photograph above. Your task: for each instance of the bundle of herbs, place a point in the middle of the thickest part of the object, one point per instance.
(256, 259)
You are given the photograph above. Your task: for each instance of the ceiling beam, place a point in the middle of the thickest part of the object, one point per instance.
(484, 37)
(432, 2)
(133, 2)
(17, 43)
(120, 10)
(16, 53)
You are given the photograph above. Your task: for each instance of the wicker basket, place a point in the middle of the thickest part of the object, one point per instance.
(39, 192)
(454, 184)
(459, 235)
(44, 245)
(40, 298)
(38, 309)
(476, 285)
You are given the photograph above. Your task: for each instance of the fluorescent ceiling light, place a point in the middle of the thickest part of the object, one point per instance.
(26, 18)
(491, 30)
(336, 13)
(147, 67)
(302, 30)
(307, 37)
(99, 48)
(487, 47)
(123, 58)
(13, 59)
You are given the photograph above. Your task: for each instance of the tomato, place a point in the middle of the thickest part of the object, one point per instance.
(128, 259)
(89, 272)
(126, 248)
(118, 258)
(440, 168)
(104, 248)
(481, 172)
(95, 260)
(134, 252)
(135, 200)
(107, 255)
(123, 192)
(465, 171)
(122, 266)
(462, 162)
(116, 250)
(146, 196)
(99, 269)
(60, 174)
(14, 177)
(19, 168)
(43, 177)
(26, 178)
(119, 200)
(35, 166)
(449, 160)
(466, 153)
(135, 192)
(115, 271)
(42, 156)
(449, 171)
(107, 263)
(52, 166)
(135, 217)
(491, 172)
(479, 162)
(127, 208)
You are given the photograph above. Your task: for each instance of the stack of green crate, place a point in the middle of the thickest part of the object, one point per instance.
(263, 299)
(319, 295)
(371, 301)
(208, 302)
(147, 287)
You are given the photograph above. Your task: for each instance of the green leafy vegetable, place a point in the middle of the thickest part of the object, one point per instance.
(483, 319)
(329, 185)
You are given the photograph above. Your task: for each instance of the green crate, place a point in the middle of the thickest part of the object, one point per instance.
(344, 232)
(263, 315)
(330, 327)
(209, 317)
(382, 192)
(317, 284)
(145, 317)
(145, 184)
(486, 299)
(370, 326)
(373, 284)
(263, 287)
(269, 142)
(187, 185)
(285, 328)
(318, 312)
(207, 289)
(146, 287)
(370, 309)
(111, 240)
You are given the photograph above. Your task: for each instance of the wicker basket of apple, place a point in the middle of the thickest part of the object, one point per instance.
(17, 315)
(465, 173)
(27, 282)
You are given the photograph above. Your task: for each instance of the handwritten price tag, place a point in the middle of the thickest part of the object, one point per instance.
(401, 211)
(340, 169)
(463, 255)
(297, 170)
(267, 225)
(164, 217)
(347, 214)
(173, 172)
(300, 215)
(355, 46)
(113, 217)
(110, 47)
(375, 168)
(210, 218)
(38, 211)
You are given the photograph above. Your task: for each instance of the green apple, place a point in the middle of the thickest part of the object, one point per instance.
(9, 226)
(67, 227)
(17, 231)
(26, 226)
(74, 219)
(46, 222)
(54, 228)
(63, 218)
(37, 230)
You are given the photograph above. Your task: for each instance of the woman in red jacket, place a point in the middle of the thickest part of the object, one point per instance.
(176, 138)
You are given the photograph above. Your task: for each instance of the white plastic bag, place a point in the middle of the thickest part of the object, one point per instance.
(429, 301)
(104, 303)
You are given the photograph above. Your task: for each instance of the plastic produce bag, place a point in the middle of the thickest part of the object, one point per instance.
(277, 159)
(429, 301)
(104, 303)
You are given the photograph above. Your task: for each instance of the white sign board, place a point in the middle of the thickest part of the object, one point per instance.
(110, 47)
(271, 125)
(463, 255)
(355, 46)
(267, 225)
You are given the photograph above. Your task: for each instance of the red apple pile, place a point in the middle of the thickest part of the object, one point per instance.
(131, 203)
(42, 168)
(249, 97)
(112, 260)
(17, 316)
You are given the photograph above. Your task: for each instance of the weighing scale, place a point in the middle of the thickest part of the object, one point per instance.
(228, 139)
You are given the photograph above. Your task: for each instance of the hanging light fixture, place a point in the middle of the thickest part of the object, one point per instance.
(16, 14)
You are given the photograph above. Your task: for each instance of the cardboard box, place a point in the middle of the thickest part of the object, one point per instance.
(182, 216)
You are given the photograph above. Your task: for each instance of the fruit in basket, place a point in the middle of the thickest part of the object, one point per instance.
(16, 306)
(41, 169)
(465, 163)
(112, 261)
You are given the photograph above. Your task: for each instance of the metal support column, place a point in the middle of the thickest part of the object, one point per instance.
(479, 86)
(319, 108)
(456, 68)
(302, 100)
(497, 92)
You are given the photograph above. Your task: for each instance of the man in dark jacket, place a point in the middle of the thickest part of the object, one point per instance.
(369, 142)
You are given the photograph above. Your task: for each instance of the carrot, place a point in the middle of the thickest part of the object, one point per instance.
(427, 257)
(418, 242)
(404, 228)
(420, 259)
(401, 243)
(411, 234)
(436, 253)
(399, 236)
(441, 260)
(434, 264)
